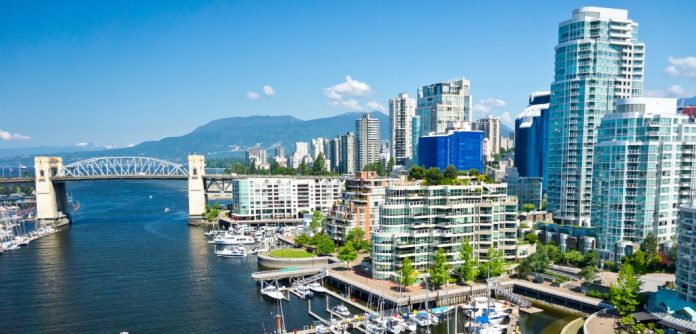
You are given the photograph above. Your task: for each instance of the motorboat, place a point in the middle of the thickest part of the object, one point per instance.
(373, 328)
(272, 292)
(233, 239)
(392, 326)
(341, 310)
(322, 329)
(233, 252)
(316, 287)
(406, 324)
(421, 318)
(304, 291)
(166, 210)
(434, 319)
(487, 328)
(337, 329)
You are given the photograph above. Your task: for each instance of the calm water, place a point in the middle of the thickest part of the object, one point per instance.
(125, 265)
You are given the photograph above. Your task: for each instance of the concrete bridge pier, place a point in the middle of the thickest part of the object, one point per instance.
(51, 201)
(196, 189)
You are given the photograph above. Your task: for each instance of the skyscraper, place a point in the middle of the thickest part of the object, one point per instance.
(441, 103)
(366, 141)
(643, 168)
(490, 126)
(461, 148)
(531, 137)
(415, 133)
(401, 112)
(598, 59)
(346, 153)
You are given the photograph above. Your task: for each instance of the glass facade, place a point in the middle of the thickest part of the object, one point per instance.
(598, 59)
(531, 137)
(463, 149)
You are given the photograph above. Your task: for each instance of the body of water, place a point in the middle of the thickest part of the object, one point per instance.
(126, 265)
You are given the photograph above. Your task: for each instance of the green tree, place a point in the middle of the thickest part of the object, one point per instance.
(302, 239)
(433, 176)
(649, 245)
(379, 168)
(390, 165)
(302, 168)
(495, 264)
(624, 294)
(450, 172)
(588, 273)
(528, 207)
(407, 274)
(416, 173)
(468, 268)
(473, 172)
(573, 257)
(357, 237)
(319, 166)
(325, 244)
(590, 259)
(537, 262)
(317, 220)
(347, 253)
(439, 273)
(554, 253)
(531, 237)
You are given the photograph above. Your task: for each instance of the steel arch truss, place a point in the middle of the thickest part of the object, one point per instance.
(124, 167)
(218, 185)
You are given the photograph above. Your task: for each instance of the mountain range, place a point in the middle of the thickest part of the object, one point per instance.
(226, 137)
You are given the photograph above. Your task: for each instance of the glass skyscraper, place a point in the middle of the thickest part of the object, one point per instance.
(598, 59)
(461, 148)
(643, 168)
(531, 133)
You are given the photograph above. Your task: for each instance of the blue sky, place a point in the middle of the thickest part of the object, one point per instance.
(122, 72)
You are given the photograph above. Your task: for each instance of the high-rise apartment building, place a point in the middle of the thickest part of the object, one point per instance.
(417, 220)
(490, 126)
(598, 59)
(643, 168)
(416, 134)
(461, 148)
(318, 147)
(531, 137)
(301, 154)
(441, 103)
(256, 156)
(366, 141)
(401, 112)
(686, 253)
(346, 153)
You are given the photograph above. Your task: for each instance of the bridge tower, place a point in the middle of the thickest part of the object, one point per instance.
(51, 202)
(196, 188)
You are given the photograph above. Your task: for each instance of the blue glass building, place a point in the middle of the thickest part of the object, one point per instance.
(461, 148)
(531, 137)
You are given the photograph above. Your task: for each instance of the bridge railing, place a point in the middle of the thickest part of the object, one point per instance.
(123, 166)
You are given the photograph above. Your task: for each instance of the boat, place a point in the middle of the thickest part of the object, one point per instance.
(406, 324)
(233, 239)
(422, 319)
(341, 310)
(272, 292)
(166, 210)
(233, 252)
(316, 287)
(374, 328)
(322, 329)
(392, 326)
(304, 291)
(337, 329)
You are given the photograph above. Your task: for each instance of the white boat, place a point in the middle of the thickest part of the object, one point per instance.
(234, 252)
(406, 324)
(341, 310)
(304, 291)
(272, 292)
(233, 239)
(316, 287)
(322, 329)
(487, 329)
(422, 319)
(374, 328)
(392, 326)
(166, 210)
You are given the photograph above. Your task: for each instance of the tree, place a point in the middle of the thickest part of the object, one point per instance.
(468, 268)
(433, 176)
(588, 273)
(357, 237)
(317, 220)
(649, 245)
(390, 165)
(590, 259)
(450, 172)
(407, 275)
(554, 253)
(319, 166)
(379, 168)
(495, 264)
(301, 239)
(473, 172)
(416, 173)
(325, 244)
(439, 273)
(528, 207)
(573, 257)
(531, 237)
(302, 168)
(347, 253)
(624, 294)
(537, 262)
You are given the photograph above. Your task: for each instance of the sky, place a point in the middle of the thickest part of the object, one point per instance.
(116, 73)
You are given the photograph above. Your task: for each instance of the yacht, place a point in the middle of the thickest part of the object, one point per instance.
(234, 252)
(233, 239)
(422, 319)
(374, 328)
(316, 287)
(166, 210)
(272, 292)
(406, 324)
(341, 310)
(304, 291)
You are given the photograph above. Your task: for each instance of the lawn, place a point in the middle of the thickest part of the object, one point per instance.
(293, 253)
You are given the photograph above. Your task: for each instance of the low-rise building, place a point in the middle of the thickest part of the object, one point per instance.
(416, 220)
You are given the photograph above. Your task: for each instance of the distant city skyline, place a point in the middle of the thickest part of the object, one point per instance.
(120, 74)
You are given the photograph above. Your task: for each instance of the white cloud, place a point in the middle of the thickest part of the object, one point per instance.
(351, 104)
(374, 105)
(6, 135)
(506, 118)
(486, 105)
(673, 91)
(682, 67)
(252, 95)
(350, 87)
(83, 144)
(268, 90)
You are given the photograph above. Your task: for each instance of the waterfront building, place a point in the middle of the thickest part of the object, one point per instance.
(256, 156)
(366, 141)
(417, 220)
(686, 253)
(461, 148)
(282, 199)
(441, 103)
(598, 59)
(643, 168)
(531, 136)
(358, 206)
(527, 189)
(401, 112)
(490, 126)
(415, 131)
(346, 152)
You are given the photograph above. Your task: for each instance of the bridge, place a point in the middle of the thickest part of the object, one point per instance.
(51, 176)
